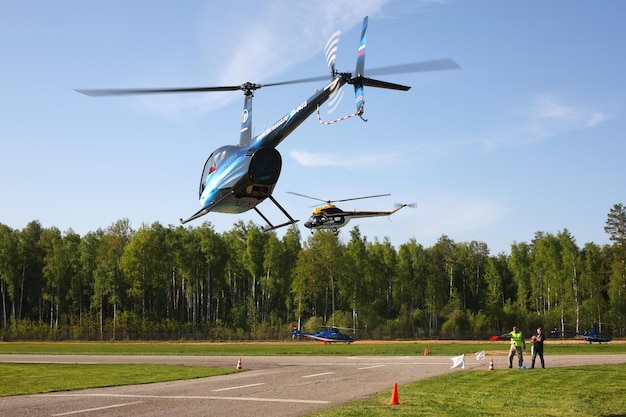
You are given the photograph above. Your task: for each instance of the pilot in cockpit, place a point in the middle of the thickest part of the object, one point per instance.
(318, 220)
(216, 160)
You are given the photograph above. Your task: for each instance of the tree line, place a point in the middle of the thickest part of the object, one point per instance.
(178, 282)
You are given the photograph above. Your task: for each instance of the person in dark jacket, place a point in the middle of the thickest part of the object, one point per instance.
(537, 347)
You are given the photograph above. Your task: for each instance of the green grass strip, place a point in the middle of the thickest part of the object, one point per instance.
(578, 391)
(36, 378)
(302, 347)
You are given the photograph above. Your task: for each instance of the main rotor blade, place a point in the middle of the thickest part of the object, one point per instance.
(337, 201)
(361, 198)
(244, 87)
(384, 84)
(299, 81)
(131, 91)
(137, 91)
(307, 196)
(435, 65)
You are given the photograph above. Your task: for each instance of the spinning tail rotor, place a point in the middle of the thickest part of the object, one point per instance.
(330, 52)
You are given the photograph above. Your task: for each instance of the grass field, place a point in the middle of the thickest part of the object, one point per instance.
(31, 378)
(302, 347)
(578, 391)
(573, 391)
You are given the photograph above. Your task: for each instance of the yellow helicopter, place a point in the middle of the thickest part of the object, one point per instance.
(331, 217)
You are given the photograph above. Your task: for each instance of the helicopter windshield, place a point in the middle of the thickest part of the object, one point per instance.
(211, 166)
(318, 219)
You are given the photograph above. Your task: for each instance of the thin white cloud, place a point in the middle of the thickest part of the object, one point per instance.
(272, 36)
(257, 41)
(548, 115)
(543, 117)
(353, 162)
(596, 118)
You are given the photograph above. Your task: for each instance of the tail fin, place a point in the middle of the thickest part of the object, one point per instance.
(359, 80)
(245, 135)
(360, 68)
(295, 332)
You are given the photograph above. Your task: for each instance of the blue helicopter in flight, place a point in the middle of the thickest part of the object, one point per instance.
(237, 178)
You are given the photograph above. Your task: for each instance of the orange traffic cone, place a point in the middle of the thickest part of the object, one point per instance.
(426, 352)
(491, 365)
(394, 395)
(239, 367)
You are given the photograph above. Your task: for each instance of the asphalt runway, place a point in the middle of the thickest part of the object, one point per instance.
(272, 386)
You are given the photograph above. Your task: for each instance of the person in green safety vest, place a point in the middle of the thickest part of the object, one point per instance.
(518, 344)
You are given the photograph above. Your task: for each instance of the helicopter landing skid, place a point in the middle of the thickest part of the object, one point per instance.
(194, 216)
(271, 226)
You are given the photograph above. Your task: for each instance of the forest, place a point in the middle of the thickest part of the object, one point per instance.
(191, 283)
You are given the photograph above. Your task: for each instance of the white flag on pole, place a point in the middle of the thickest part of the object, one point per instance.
(458, 362)
(480, 355)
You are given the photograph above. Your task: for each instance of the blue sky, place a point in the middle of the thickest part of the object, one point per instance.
(528, 136)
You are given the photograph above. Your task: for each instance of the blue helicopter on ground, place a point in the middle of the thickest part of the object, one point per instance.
(330, 335)
(593, 336)
(236, 178)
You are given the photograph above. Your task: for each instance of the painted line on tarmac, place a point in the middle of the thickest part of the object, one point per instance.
(193, 397)
(411, 361)
(315, 375)
(54, 363)
(371, 367)
(89, 410)
(239, 387)
(380, 358)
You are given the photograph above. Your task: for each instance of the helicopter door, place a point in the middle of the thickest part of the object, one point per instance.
(339, 220)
